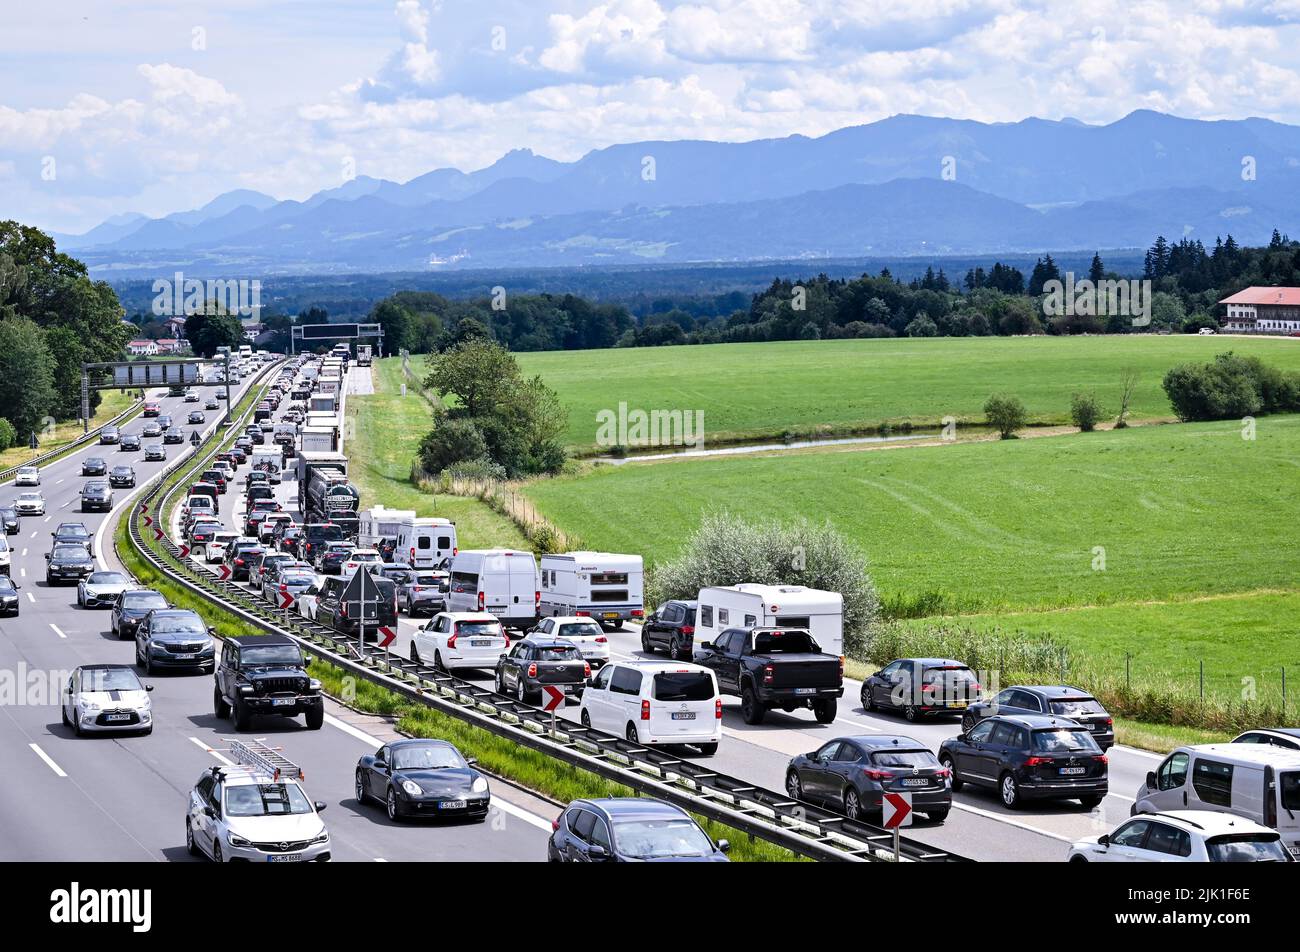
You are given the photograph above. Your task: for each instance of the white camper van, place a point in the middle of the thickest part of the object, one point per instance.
(750, 605)
(380, 523)
(424, 542)
(502, 582)
(605, 586)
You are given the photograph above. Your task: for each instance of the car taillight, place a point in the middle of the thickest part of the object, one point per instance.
(555, 824)
(1037, 761)
(873, 774)
(586, 669)
(454, 550)
(412, 555)
(601, 640)
(638, 613)
(537, 599)
(1103, 759)
(451, 642)
(239, 561)
(688, 629)
(717, 708)
(582, 614)
(942, 773)
(841, 666)
(480, 601)
(645, 710)
(532, 670)
(767, 674)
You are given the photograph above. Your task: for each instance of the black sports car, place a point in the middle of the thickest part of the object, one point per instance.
(422, 777)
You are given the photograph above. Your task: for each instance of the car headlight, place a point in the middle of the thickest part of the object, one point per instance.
(322, 837)
(87, 705)
(313, 684)
(412, 788)
(234, 840)
(480, 785)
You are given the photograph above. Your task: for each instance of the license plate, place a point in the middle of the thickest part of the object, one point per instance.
(611, 614)
(959, 705)
(805, 690)
(480, 642)
(684, 716)
(117, 717)
(282, 702)
(184, 657)
(284, 858)
(452, 805)
(916, 782)
(1073, 771)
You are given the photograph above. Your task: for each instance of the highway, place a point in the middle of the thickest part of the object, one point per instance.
(979, 825)
(107, 798)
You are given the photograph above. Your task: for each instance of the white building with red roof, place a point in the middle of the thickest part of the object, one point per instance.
(1263, 311)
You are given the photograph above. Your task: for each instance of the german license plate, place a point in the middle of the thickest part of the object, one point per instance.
(805, 690)
(915, 782)
(959, 705)
(1073, 771)
(184, 657)
(611, 614)
(452, 805)
(684, 716)
(481, 642)
(117, 717)
(282, 702)
(284, 858)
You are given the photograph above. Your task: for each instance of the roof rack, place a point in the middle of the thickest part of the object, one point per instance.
(255, 754)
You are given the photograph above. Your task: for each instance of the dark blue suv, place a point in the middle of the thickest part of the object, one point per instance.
(630, 830)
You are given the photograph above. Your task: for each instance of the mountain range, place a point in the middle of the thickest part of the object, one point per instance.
(906, 185)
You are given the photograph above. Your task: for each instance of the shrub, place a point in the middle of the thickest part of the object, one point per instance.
(726, 550)
(921, 326)
(481, 468)
(1085, 411)
(1006, 414)
(8, 436)
(452, 441)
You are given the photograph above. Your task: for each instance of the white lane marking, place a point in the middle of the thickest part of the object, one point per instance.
(380, 859)
(47, 519)
(58, 482)
(998, 817)
(49, 762)
(23, 572)
(33, 533)
(31, 598)
(217, 754)
(57, 630)
(24, 553)
(504, 806)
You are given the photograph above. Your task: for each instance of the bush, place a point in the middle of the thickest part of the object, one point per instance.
(726, 550)
(921, 326)
(452, 441)
(1228, 387)
(1006, 414)
(481, 468)
(1085, 411)
(8, 436)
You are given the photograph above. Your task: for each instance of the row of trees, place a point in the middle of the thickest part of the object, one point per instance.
(52, 318)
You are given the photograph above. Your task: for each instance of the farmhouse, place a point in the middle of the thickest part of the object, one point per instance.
(142, 348)
(1263, 311)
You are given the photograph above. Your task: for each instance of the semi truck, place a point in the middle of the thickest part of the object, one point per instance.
(324, 493)
(363, 355)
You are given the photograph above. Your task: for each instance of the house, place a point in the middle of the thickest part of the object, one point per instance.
(142, 348)
(176, 327)
(170, 345)
(1263, 311)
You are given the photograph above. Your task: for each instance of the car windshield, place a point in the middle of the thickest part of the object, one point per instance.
(266, 799)
(654, 839)
(143, 601)
(1076, 706)
(72, 551)
(683, 686)
(558, 653)
(254, 655)
(106, 578)
(179, 625)
(110, 679)
(72, 532)
(432, 757)
(1064, 739)
(7, 586)
(31, 497)
(904, 758)
(1246, 848)
(580, 630)
(471, 628)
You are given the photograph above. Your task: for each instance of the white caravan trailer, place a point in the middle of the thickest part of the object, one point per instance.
(381, 523)
(605, 586)
(423, 543)
(502, 582)
(750, 605)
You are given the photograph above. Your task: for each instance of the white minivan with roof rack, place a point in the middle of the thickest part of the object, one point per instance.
(605, 586)
(656, 703)
(501, 582)
(751, 605)
(1257, 781)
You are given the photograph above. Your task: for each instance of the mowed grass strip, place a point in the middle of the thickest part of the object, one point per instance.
(114, 402)
(383, 442)
(1154, 512)
(762, 390)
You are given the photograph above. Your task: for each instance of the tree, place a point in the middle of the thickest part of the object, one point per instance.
(1085, 411)
(67, 352)
(208, 331)
(1128, 383)
(921, 326)
(477, 372)
(26, 376)
(451, 441)
(1006, 414)
(1096, 271)
(8, 435)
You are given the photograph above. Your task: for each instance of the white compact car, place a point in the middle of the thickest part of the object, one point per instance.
(370, 558)
(460, 640)
(215, 550)
(30, 504)
(107, 697)
(255, 811)
(1183, 836)
(584, 632)
(656, 703)
(27, 476)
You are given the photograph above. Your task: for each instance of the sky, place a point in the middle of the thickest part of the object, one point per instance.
(156, 106)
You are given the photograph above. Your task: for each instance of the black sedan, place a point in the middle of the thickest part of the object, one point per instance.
(540, 661)
(1029, 757)
(921, 687)
(421, 777)
(9, 603)
(130, 443)
(630, 830)
(852, 775)
(173, 436)
(1059, 699)
(196, 416)
(9, 518)
(122, 477)
(94, 466)
(130, 607)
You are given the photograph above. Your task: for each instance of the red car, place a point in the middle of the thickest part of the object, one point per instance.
(152, 409)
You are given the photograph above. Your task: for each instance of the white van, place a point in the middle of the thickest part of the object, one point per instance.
(750, 605)
(656, 703)
(1258, 782)
(600, 585)
(379, 523)
(424, 542)
(502, 582)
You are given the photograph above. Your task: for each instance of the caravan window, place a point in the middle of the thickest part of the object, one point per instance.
(1213, 782)
(610, 595)
(706, 616)
(794, 621)
(724, 616)
(608, 578)
(750, 621)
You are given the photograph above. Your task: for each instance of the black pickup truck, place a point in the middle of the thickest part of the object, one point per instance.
(265, 674)
(774, 668)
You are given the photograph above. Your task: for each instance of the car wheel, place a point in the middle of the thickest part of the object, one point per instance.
(315, 717)
(63, 715)
(631, 735)
(937, 816)
(708, 750)
(148, 664)
(241, 716)
(393, 813)
(1078, 859)
(852, 804)
(362, 796)
(952, 773)
(219, 706)
(868, 703)
(81, 602)
(1090, 803)
(190, 846)
(674, 652)
(437, 662)
(586, 720)
(1010, 791)
(910, 713)
(501, 687)
(415, 653)
(824, 711)
(750, 708)
(645, 642)
(521, 693)
(216, 851)
(792, 785)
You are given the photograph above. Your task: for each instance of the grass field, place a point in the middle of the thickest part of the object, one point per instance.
(114, 402)
(387, 432)
(762, 390)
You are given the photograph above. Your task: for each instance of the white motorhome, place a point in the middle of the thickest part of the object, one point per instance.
(271, 458)
(424, 542)
(502, 582)
(605, 586)
(381, 523)
(750, 605)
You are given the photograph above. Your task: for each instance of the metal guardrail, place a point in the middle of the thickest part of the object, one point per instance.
(72, 447)
(761, 813)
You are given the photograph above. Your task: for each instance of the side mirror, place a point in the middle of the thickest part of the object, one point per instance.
(1151, 780)
(724, 846)
(320, 806)
(1103, 840)
(379, 763)
(597, 853)
(212, 629)
(706, 646)
(148, 687)
(471, 761)
(47, 556)
(963, 737)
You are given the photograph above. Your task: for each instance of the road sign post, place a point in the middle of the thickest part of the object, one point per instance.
(362, 592)
(896, 812)
(552, 700)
